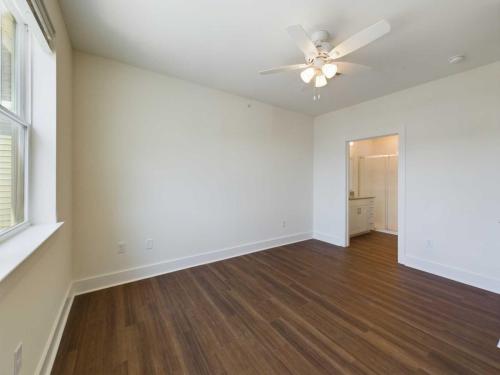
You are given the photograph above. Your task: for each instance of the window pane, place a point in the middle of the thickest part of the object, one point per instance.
(8, 27)
(12, 143)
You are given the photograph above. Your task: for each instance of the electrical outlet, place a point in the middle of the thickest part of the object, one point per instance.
(283, 224)
(18, 359)
(149, 244)
(429, 244)
(122, 248)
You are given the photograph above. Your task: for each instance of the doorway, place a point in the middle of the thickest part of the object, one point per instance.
(372, 205)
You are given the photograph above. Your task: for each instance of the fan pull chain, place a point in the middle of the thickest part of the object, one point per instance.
(317, 95)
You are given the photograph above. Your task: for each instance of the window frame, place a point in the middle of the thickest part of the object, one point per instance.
(23, 96)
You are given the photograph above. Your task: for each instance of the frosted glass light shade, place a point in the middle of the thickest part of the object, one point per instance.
(320, 81)
(307, 75)
(329, 70)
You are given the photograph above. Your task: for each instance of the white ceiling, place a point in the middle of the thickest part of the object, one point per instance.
(224, 43)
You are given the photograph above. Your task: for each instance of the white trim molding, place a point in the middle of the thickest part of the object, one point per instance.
(452, 273)
(150, 270)
(386, 231)
(49, 353)
(328, 238)
(22, 245)
(401, 232)
(402, 189)
(137, 273)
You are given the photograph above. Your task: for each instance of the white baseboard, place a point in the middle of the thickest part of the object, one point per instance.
(49, 353)
(456, 274)
(333, 240)
(132, 274)
(142, 272)
(386, 231)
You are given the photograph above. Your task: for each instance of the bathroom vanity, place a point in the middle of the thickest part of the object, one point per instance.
(361, 215)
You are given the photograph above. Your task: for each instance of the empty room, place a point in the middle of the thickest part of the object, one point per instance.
(249, 187)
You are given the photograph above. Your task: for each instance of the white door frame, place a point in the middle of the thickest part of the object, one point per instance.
(401, 188)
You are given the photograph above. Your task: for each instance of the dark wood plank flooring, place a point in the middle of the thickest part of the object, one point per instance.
(306, 308)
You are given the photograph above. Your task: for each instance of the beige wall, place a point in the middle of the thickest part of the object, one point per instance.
(385, 145)
(193, 168)
(30, 298)
(375, 146)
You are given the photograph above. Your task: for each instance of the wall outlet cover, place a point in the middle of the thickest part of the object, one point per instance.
(121, 247)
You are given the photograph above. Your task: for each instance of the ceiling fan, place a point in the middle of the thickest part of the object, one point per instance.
(321, 58)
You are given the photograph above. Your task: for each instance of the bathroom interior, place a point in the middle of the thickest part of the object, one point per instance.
(373, 186)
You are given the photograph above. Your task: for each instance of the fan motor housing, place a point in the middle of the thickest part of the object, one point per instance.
(320, 36)
(321, 39)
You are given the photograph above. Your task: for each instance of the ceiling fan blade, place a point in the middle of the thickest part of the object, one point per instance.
(303, 41)
(286, 68)
(361, 39)
(347, 68)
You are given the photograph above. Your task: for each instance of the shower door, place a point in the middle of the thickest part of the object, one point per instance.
(378, 177)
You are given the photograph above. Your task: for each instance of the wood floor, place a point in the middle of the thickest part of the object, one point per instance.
(306, 308)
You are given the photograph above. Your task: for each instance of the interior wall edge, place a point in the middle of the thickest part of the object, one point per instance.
(213, 159)
(77, 52)
(52, 345)
(108, 280)
(328, 238)
(456, 241)
(456, 274)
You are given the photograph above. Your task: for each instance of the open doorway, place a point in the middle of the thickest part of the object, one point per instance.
(373, 189)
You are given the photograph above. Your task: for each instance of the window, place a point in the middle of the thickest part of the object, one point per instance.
(14, 119)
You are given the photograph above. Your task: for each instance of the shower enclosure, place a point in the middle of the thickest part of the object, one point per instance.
(378, 177)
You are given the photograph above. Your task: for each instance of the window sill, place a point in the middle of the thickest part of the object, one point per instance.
(19, 247)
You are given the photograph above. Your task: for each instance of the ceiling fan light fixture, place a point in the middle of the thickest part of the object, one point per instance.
(308, 74)
(321, 61)
(320, 81)
(329, 70)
